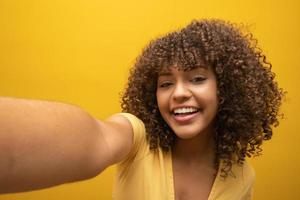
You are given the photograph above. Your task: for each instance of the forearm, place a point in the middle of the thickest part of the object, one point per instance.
(44, 144)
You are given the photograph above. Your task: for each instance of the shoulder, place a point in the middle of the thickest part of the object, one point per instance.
(139, 143)
(132, 119)
(137, 125)
(242, 172)
(237, 185)
(248, 172)
(241, 175)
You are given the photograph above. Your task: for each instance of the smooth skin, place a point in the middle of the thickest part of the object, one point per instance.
(193, 151)
(43, 144)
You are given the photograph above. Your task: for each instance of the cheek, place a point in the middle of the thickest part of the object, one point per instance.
(211, 98)
(214, 103)
(162, 104)
(159, 101)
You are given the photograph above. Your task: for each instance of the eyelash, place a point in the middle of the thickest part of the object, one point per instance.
(194, 80)
(166, 84)
(198, 79)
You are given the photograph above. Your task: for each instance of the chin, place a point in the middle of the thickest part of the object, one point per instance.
(186, 135)
(190, 132)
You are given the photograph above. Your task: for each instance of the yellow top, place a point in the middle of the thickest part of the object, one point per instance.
(147, 175)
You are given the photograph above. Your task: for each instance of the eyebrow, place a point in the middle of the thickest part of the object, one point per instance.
(168, 73)
(165, 74)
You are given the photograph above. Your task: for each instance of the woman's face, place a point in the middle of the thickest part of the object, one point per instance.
(187, 100)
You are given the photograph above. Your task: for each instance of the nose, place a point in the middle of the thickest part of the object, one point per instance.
(181, 92)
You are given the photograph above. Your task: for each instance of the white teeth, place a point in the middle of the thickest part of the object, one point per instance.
(185, 110)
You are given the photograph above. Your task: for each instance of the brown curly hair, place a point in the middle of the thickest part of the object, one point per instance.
(249, 97)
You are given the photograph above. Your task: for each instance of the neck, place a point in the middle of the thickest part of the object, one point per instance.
(200, 149)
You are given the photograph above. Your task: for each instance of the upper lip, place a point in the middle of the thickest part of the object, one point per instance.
(183, 106)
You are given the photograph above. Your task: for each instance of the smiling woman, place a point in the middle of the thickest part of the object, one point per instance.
(248, 96)
(187, 100)
(208, 97)
(198, 101)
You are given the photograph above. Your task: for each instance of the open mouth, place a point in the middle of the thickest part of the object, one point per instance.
(185, 111)
(185, 115)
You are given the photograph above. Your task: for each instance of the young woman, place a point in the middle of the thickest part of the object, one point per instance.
(198, 101)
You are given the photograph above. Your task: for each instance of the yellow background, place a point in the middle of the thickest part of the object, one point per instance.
(80, 51)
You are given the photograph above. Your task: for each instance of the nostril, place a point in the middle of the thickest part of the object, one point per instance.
(182, 93)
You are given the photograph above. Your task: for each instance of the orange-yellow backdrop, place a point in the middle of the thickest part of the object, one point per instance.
(80, 51)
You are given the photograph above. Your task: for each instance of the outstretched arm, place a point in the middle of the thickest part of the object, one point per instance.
(43, 144)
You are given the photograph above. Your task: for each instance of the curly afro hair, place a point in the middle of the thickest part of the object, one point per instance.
(249, 97)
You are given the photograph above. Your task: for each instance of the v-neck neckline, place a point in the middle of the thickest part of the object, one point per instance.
(172, 182)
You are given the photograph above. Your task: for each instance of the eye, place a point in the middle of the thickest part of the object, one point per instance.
(198, 79)
(165, 84)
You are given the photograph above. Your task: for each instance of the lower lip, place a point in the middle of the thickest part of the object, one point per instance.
(184, 118)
